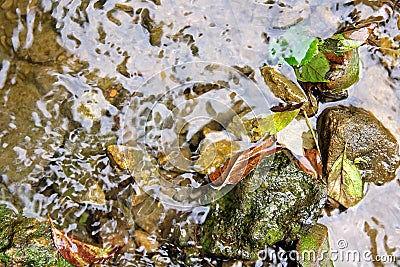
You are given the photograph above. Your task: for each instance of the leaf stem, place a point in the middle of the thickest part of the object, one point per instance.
(312, 130)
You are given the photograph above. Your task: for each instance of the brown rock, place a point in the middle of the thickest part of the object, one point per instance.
(364, 136)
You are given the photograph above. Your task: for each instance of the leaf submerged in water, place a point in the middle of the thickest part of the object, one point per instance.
(77, 252)
(344, 182)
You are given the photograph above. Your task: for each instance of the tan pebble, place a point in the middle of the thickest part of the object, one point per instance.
(7, 4)
(61, 58)
(144, 239)
(113, 92)
(3, 41)
(11, 15)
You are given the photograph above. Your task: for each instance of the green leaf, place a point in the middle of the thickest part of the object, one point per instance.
(338, 43)
(276, 122)
(314, 70)
(314, 249)
(344, 182)
(291, 61)
(311, 52)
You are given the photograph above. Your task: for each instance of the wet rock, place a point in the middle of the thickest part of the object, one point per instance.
(287, 90)
(343, 73)
(144, 239)
(26, 242)
(277, 202)
(364, 136)
(215, 149)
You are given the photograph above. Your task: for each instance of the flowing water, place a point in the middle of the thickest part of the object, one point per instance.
(78, 76)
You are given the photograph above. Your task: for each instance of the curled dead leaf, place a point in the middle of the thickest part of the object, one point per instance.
(78, 252)
(314, 158)
(242, 163)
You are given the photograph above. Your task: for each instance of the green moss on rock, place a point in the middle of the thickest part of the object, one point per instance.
(26, 242)
(277, 202)
(7, 218)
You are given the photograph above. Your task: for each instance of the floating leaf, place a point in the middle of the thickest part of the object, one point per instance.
(344, 182)
(257, 128)
(242, 163)
(314, 249)
(77, 252)
(314, 71)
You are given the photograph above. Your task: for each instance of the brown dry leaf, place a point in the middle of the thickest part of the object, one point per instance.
(77, 252)
(314, 157)
(242, 163)
(307, 167)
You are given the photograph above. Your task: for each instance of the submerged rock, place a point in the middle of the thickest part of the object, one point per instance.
(364, 136)
(277, 202)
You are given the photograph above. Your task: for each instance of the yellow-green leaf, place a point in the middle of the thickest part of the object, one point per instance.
(344, 182)
(277, 121)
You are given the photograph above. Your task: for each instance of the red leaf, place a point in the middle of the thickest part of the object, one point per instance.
(311, 162)
(77, 252)
(242, 163)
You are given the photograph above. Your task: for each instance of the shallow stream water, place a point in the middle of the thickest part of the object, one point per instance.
(77, 76)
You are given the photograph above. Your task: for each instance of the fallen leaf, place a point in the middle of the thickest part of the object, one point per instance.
(78, 252)
(314, 157)
(307, 167)
(286, 107)
(314, 70)
(242, 163)
(276, 122)
(344, 182)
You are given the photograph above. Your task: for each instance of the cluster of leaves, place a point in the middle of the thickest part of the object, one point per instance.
(314, 66)
(243, 162)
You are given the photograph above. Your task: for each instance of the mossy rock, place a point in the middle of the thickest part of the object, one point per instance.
(7, 219)
(26, 242)
(277, 202)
